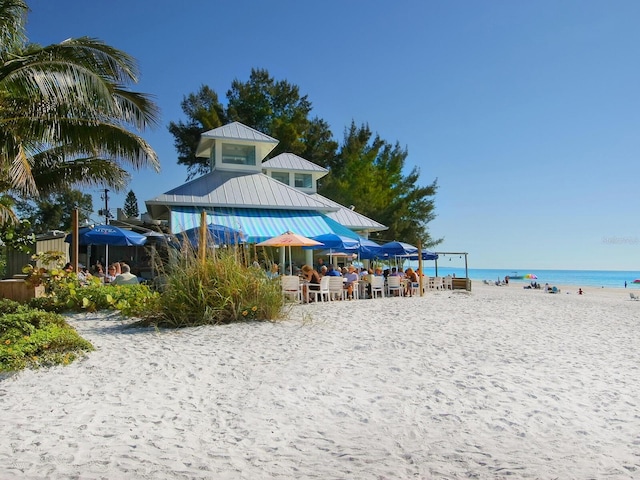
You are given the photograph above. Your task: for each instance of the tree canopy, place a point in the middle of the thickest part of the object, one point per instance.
(67, 115)
(365, 170)
(54, 211)
(131, 205)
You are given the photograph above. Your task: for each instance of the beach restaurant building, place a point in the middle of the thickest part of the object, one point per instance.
(258, 197)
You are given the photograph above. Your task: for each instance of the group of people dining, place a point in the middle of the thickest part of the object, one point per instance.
(353, 276)
(118, 273)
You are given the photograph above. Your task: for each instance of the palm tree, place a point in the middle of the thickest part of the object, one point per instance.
(66, 114)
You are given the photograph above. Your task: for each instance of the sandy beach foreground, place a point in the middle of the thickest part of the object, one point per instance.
(501, 382)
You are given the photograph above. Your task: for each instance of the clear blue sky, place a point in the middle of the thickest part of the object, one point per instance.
(527, 112)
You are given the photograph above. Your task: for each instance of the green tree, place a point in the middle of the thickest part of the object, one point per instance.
(365, 171)
(131, 205)
(275, 108)
(54, 211)
(67, 116)
(204, 112)
(368, 173)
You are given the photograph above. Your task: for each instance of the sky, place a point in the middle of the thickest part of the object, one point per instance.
(526, 113)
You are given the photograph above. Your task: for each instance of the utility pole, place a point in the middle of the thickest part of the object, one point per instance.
(105, 212)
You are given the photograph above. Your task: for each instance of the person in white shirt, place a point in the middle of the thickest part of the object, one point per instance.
(126, 277)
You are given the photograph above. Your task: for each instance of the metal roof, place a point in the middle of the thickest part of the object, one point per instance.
(235, 131)
(238, 131)
(233, 189)
(349, 218)
(292, 162)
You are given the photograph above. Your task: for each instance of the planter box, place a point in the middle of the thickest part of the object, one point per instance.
(19, 290)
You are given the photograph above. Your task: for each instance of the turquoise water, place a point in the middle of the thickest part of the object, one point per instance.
(583, 278)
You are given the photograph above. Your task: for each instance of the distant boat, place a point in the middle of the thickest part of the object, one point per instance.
(515, 276)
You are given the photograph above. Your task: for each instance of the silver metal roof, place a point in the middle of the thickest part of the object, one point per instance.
(233, 189)
(238, 131)
(235, 131)
(292, 162)
(350, 218)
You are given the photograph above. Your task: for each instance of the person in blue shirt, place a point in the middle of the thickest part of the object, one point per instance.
(332, 272)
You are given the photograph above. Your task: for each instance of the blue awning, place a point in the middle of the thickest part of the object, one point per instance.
(260, 225)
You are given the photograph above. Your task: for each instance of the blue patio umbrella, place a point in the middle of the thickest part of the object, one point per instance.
(218, 234)
(368, 249)
(337, 242)
(108, 235)
(393, 249)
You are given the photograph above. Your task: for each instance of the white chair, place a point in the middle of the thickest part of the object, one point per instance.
(377, 286)
(394, 284)
(291, 287)
(415, 288)
(437, 283)
(448, 282)
(336, 288)
(323, 293)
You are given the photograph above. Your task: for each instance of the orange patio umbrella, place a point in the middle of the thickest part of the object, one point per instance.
(290, 239)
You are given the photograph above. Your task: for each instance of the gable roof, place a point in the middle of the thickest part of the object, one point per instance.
(233, 189)
(292, 162)
(349, 218)
(232, 131)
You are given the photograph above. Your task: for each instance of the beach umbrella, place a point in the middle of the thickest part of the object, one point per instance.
(531, 276)
(368, 248)
(290, 239)
(334, 241)
(218, 234)
(393, 249)
(108, 235)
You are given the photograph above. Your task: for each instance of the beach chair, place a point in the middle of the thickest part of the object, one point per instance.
(394, 285)
(324, 293)
(437, 283)
(448, 282)
(336, 288)
(377, 286)
(291, 287)
(633, 297)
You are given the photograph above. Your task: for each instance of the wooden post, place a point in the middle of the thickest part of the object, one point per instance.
(75, 239)
(202, 244)
(420, 267)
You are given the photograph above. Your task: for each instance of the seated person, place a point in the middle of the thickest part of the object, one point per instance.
(126, 277)
(273, 271)
(412, 278)
(111, 274)
(312, 278)
(332, 272)
(351, 280)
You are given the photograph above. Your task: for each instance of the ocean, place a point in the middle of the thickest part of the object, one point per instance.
(579, 278)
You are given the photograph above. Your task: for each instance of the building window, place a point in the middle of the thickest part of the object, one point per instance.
(281, 176)
(238, 154)
(303, 180)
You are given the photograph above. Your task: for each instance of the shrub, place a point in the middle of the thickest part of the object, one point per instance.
(34, 338)
(219, 290)
(130, 300)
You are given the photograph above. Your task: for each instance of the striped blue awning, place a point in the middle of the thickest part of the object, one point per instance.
(260, 225)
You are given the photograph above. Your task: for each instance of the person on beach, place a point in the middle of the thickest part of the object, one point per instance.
(312, 279)
(273, 271)
(351, 281)
(111, 274)
(332, 272)
(319, 265)
(126, 277)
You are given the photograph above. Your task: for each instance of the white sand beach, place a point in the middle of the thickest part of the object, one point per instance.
(498, 383)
